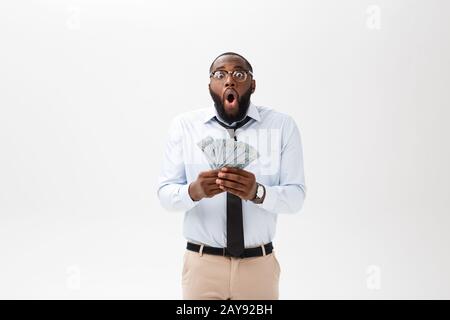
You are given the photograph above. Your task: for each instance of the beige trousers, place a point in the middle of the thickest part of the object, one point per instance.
(207, 276)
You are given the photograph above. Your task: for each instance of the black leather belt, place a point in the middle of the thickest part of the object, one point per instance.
(248, 252)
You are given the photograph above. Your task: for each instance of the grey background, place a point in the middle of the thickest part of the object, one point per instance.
(88, 88)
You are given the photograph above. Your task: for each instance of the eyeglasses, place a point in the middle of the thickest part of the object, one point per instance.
(237, 75)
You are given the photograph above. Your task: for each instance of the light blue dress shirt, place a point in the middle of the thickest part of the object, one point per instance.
(279, 168)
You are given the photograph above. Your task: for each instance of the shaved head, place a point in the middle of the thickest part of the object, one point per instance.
(237, 55)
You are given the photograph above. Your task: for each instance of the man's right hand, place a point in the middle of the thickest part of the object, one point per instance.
(205, 186)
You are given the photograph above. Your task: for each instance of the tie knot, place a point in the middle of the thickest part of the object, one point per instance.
(237, 125)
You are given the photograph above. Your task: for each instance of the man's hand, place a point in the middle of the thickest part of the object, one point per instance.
(238, 182)
(205, 186)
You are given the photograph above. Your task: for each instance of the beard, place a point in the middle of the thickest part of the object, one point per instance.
(244, 103)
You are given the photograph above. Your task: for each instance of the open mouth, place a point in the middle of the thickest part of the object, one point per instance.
(230, 96)
(231, 101)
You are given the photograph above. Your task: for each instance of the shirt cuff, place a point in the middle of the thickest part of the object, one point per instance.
(270, 199)
(186, 198)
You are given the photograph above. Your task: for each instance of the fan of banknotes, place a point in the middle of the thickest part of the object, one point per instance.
(227, 152)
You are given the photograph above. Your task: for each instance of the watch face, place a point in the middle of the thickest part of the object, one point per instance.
(259, 191)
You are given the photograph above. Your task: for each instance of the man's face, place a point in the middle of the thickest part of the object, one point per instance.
(231, 98)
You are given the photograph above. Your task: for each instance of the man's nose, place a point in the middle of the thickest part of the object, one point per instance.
(229, 82)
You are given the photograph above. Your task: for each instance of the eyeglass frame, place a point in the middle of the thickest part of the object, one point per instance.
(231, 72)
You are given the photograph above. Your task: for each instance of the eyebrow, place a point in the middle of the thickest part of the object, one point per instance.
(235, 67)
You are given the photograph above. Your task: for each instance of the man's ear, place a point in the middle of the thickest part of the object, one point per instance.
(253, 85)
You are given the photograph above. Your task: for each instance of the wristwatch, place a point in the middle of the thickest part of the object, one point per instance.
(260, 194)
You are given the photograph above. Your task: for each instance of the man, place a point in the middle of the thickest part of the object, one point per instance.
(231, 212)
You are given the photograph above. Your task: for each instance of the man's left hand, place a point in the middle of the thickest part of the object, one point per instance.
(238, 182)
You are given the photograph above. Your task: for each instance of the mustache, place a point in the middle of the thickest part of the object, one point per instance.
(244, 103)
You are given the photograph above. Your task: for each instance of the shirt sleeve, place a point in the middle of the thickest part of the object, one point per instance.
(172, 185)
(289, 195)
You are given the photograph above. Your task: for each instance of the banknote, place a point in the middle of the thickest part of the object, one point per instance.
(227, 152)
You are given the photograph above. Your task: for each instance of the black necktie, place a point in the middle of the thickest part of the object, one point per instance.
(235, 225)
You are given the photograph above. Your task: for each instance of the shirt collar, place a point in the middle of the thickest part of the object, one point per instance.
(252, 112)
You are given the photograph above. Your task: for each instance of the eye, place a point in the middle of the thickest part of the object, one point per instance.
(219, 74)
(240, 75)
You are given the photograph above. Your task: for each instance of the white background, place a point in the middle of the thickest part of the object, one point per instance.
(88, 88)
